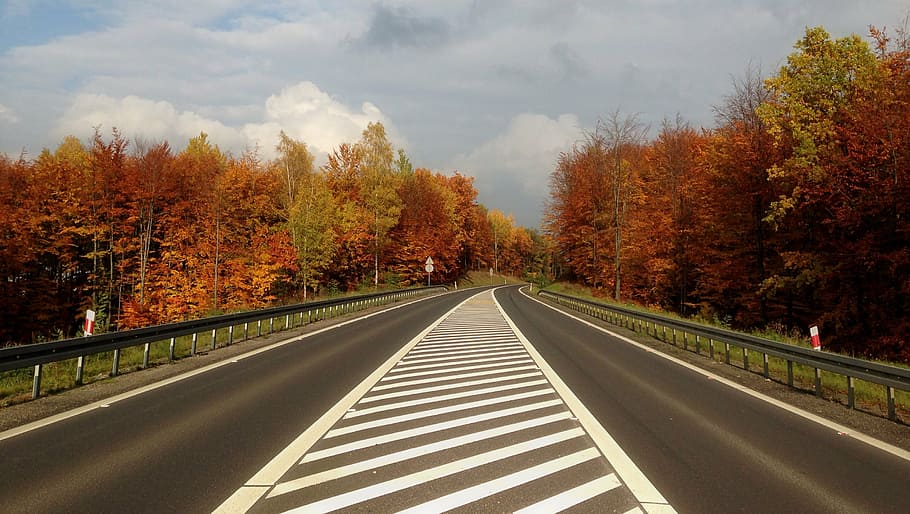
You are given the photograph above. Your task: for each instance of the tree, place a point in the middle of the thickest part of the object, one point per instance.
(312, 222)
(379, 188)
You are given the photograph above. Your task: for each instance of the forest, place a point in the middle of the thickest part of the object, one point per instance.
(145, 235)
(792, 211)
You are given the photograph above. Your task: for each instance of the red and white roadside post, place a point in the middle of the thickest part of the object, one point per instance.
(88, 328)
(813, 336)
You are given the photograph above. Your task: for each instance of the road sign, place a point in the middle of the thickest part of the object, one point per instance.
(429, 265)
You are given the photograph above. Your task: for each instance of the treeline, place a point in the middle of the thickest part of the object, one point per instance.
(144, 235)
(794, 210)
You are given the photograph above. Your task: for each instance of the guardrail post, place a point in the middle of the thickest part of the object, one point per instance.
(697, 344)
(80, 365)
(271, 325)
(726, 352)
(790, 373)
(889, 392)
(745, 358)
(711, 347)
(765, 364)
(172, 349)
(193, 346)
(115, 367)
(674, 337)
(145, 354)
(851, 392)
(818, 382)
(685, 341)
(36, 382)
(214, 337)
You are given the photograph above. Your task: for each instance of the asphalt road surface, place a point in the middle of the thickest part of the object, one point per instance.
(460, 401)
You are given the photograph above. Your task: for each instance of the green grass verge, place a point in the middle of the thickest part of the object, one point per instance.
(867, 396)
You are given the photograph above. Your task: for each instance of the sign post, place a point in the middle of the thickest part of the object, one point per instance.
(429, 267)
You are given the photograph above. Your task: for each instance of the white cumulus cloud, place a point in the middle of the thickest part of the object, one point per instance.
(141, 117)
(311, 115)
(303, 111)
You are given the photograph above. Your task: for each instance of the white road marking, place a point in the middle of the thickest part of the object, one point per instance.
(241, 500)
(497, 371)
(397, 484)
(349, 429)
(642, 488)
(460, 368)
(480, 491)
(443, 398)
(407, 367)
(427, 429)
(13, 432)
(871, 441)
(456, 356)
(573, 496)
(446, 387)
(409, 453)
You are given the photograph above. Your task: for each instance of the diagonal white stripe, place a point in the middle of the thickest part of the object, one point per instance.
(427, 429)
(471, 494)
(383, 422)
(442, 398)
(574, 496)
(446, 387)
(374, 491)
(410, 453)
(409, 383)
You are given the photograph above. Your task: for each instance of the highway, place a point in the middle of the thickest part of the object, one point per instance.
(459, 401)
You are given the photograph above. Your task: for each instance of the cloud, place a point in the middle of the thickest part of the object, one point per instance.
(392, 27)
(8, 115)
(140, 117)
(303, 111)
(307, 113)
(513, 168)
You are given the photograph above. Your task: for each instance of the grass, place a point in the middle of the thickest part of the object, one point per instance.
(16, 385)
(868, 396)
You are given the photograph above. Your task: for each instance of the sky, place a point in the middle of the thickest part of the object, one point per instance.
(493, 89)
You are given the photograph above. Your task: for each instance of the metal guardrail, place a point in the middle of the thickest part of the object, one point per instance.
(891, 377)
(18, 357)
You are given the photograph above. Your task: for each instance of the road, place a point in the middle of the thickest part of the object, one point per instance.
(487, 405)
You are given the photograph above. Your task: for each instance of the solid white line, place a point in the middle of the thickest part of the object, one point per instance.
(401, 375)
(574, 496)
(841, 429)
(100, 404)
(410, 453)
(642, 488)
(427, 429)
(383, 422)
(446, 378)
(242, 500)
(441, 398)
(480, 491)
(446, 387)
(398, 484)
(403, 368)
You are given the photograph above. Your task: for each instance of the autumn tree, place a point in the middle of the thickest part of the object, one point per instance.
(379, 188)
